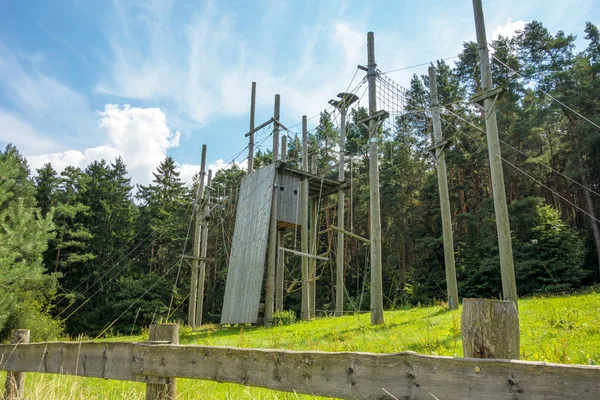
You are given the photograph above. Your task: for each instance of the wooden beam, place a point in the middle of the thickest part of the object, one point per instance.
(258, 128)
(299, 253)
(348, 233)
(346, 375)
(190, 257)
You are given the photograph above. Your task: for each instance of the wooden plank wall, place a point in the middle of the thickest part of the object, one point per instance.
(288, 205)
(249, 248)
(346, 375)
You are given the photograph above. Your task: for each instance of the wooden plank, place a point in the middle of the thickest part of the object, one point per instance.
(249, 248)
(288, 194)
(97, 360)
(299, 253)
(346, 375)
(348, 233)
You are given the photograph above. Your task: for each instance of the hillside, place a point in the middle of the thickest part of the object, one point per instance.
(562, 329)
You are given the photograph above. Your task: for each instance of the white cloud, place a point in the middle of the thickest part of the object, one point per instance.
(187, 171)
(140, 135)
(509, 29)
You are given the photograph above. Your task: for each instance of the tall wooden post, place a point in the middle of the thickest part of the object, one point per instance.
(196, 248)
(376, 274)
(312, 269)
(15, 381)
(272, 259)
(304, 232)
(451, 285)
(202, 268)
(509, 286)
(161, 334)
(279, 274)
(339, 253)
(251, 137)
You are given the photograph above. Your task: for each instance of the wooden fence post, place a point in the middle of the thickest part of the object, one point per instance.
(490, 329)
(163, 334)
(15, 381)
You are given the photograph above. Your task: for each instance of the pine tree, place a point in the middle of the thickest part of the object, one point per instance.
(24, 234)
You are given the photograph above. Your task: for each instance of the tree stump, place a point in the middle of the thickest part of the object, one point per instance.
(15, 381)
(163, 334)
(490, 329)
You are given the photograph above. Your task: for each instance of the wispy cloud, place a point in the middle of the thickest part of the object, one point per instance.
(38, 105)
(197, 69)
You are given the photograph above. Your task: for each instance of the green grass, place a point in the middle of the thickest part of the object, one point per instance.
(562, 329)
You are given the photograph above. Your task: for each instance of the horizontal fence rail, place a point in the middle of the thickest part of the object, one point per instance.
(347, 375)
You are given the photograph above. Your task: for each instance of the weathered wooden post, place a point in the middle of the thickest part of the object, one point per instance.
(312, 266)
(374, 208)
(203, 249)
(304, 229)
(163, 334)
(272, 256)
(488, 98)
(251, 134)
(197, 242)
(280, 271)
(490, 329)
(438, 148)
(15, 381)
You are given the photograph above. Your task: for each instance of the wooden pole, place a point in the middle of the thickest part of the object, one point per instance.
(509, 286)
(376, 274)
(339, 253)
(251, 137)
(276, 128)
(15, 381)
(312, 269)
(305, 229)
(272, 259)
(279, 273)
(451, 285)
(490, 329)
(166, 333)
(196, 248)
(202, 268)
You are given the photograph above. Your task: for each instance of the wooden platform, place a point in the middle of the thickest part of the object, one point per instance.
(317, 186)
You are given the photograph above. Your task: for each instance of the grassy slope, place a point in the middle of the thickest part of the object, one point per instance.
(556, 329)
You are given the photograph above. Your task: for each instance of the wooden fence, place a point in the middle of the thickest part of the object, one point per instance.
(347, 375)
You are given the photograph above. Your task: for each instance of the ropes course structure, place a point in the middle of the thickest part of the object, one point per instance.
(397, 102)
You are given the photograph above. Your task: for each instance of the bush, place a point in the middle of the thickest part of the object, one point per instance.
(286, 317)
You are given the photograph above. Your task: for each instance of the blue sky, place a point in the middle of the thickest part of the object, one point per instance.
(88, 79)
